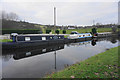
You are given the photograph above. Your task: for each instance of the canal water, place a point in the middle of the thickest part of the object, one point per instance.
(41, 61)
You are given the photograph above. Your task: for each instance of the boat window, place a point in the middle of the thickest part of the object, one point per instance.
(81, 35)
(43, 38)
(27, 38)
(50, 37)
(28, 53)
(44, 50)
(55, 37)
(72, 33)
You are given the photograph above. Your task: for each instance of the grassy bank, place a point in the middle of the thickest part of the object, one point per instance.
(89, 30)
(36, 31)
(103, 65)
(5, 40)
(84, 30)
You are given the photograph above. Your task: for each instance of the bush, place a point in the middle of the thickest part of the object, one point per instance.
(57, 31)
(48, 31)
(64, 32)
(94, 30)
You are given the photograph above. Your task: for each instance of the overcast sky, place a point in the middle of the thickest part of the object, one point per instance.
(69, 12)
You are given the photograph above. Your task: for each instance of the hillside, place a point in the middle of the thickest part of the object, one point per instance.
(9, 24)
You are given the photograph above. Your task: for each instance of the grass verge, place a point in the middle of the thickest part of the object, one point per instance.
(84, 30)
(103, 65)
(30, 31)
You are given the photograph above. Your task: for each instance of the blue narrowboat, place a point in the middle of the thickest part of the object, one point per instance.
(76, 35)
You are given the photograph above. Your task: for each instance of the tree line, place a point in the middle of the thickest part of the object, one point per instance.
(12, 21)
(9, 16)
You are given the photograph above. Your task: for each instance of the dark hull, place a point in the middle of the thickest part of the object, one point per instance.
(27, 44)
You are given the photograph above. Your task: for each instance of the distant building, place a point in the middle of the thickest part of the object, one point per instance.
(71, 28)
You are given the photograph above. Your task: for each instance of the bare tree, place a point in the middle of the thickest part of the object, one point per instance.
(13, 16)
(4, 15)
(0, 14)
(9, 16)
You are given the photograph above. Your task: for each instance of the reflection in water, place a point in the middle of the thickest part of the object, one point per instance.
(93, 43)
(113, 40)
(6, 57)
(25, 54)
(19, 54)
(55, 60)
(79, 43)
(48, 59)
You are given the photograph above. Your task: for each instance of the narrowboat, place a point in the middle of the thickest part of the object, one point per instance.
(32, 40)
(76, 35)
(104, 34)
(35, 37)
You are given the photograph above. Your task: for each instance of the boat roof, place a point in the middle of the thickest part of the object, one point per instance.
(84, 33)
(105, 33)
(40, 35)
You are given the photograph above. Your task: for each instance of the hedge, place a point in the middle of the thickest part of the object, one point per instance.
(21, 31)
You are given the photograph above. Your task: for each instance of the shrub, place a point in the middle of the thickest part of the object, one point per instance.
(48, 31)
(57, 31)
(64, 32)
(94, 30)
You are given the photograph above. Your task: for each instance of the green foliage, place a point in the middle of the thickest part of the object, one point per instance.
(48, 31)
(57, 31)
(64, 32)
(22, 31)
(94, 30)
(103, 65)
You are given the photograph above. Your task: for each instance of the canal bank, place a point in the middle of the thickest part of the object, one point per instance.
(103, 65)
